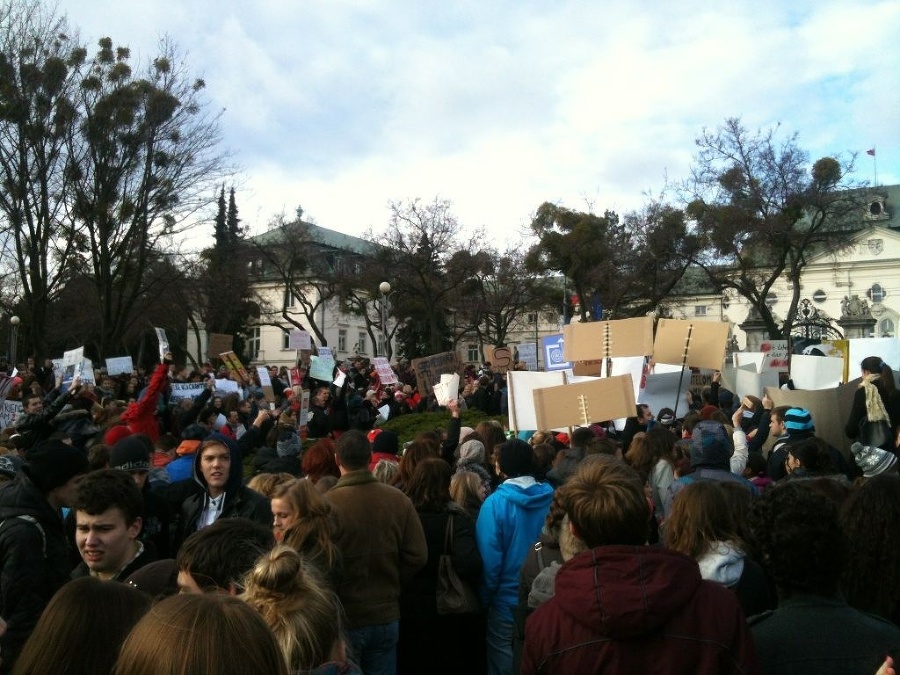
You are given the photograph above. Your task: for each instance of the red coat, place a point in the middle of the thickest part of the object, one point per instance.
(637, 609)
(140, 416)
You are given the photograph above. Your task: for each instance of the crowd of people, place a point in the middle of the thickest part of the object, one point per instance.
(142, 533)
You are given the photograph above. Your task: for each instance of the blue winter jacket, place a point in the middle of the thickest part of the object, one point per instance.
(509, 523)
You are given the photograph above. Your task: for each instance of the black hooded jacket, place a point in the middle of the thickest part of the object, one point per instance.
(35, 559)
(240, 501)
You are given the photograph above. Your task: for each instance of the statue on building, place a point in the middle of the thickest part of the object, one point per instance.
(854, 307)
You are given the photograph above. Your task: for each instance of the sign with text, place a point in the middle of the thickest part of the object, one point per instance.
(233, 365)
(266, 383)
(528, 354)
(500, 358)
(321, 368)
(385, 372)
(119, 365)
(9, 413)
(163, 342)
(299, 339)
(183, 390)
(429, 369)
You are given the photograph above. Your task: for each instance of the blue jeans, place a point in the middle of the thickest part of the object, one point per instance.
(499, 644)
(375, 648)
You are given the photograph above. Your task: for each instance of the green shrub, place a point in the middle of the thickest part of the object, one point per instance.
(408, 426)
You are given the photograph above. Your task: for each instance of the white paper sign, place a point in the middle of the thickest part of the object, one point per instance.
(163, 342)
(182, 390)
(385, 411)
(447, 389)
(225, 387)
(303, 416)
(118, 365)
(887, 348)
(299, 339)
(326, 353)
(520, 389)
(339, 379)
(9, 413)
(816, 372)
(321, 368)
(528, 354)
(666, 390)
(384, 370)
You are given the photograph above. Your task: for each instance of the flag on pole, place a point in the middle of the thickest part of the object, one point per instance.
(871, 152)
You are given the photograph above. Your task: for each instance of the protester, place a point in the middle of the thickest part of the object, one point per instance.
(508, 524)
(876, 400)
(73, 637)
(36, 557)
(658, 614)
(211, 634)
(801, 546)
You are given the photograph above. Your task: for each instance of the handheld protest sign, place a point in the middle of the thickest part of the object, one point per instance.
(584, 403)
(384, 370)
(429, 369)
(219, 343)
(233, 365)
(447, 389)
(265, 381)
(119, 365)
(500, 358)
(699, 344)
(607, 339)
(321, 368)
(163, 343)
(520, 386)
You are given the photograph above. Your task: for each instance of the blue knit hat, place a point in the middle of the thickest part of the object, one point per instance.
(798, 421)
(711, 445)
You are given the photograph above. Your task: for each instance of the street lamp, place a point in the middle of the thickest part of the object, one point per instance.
(14, 321)
(385, 289)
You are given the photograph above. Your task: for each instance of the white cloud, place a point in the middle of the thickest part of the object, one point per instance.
(347, 105)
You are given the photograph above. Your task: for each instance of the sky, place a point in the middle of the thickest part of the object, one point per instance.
(345, 106)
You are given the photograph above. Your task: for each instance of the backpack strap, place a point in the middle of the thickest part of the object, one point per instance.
(33, 521)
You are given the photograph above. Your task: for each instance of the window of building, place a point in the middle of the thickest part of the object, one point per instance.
(473, 354)
(700, 310)
(285, 338)
(876, 293)
(342, 339)
(382, 347)
(253, 343)
(289, 299)
(771, 299)
(363, 344)
(886, 328)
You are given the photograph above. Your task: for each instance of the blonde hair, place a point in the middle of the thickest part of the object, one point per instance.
(315, 521)
(386, 470)
(213, 633)
(292, 599)
(465, 489)
(266, 483)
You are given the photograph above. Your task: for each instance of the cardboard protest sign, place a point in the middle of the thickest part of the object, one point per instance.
(829, 409)
(594, 368)
(816, 372)
(265, 381)
(429, 369)
(553, 348)
(584, 403)
(182, 390)
(447, 389)
(163, 342)
(520, 386)
(500, 358)
(219, 343)
(636, 366)
(385, 372)
(605, 339)
(321, 368)
(299, 339)
(119, 365)
(233, 365)
(691, 343)
(528, 354)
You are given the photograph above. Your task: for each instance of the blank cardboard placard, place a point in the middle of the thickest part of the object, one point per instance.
(829, 408)
(520, 386)
(602, 339)
(219, 343)
(265, 381)
(584, 403)
(700, 344)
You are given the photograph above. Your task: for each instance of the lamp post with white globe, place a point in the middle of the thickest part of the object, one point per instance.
(14, 321)
(385, 289)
